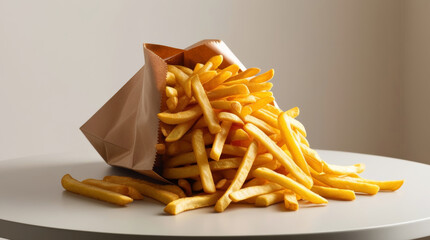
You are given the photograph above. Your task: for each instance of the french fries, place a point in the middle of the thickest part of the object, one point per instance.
(225, 140)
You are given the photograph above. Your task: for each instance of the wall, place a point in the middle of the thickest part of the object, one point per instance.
(339, 61)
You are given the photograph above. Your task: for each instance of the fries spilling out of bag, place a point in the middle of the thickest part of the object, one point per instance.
(225, 140)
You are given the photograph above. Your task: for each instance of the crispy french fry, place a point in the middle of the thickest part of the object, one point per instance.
(226, 116)
(73, 185)
(234, 82)
(220, 140)
(274, 110)
(170, 79)
(266, 117)
(172, 103)
(180, 117)
(288, 183)
(258, 87)
(302, 139)
(294, 148)
(254, 191)
(201, 97)
(334, 193)
(113, 187)
(189, 203)
(185, 185)
(263, 77)
(239, 178)
(343, 170)
(266, 128)
(290, 201)
(269, 198)
(184, 69)
(239, 134)
(216, 61)
(293, 112)
(226, 105)
(244, 100)
(263, 158)
(234, 68)
(279, 154)
(239, 89)
(207, 76)
(233, 150)
(347, 183)
(183, 102)
(178, 147)
(245, 74)
(171, 92)
(383, 185)
(181, 78)
(197, 67)
(257, 105)
(312, 158)
(217, 80)
(202, 161)
(264, 94)
(180, 130)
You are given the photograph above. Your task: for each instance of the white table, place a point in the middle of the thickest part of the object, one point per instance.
(33, 205)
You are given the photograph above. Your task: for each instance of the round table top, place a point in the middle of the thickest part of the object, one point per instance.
(34, 204)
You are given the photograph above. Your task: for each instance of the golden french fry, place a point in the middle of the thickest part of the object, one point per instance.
(262, 94)
(288, 183)
(279, 154)
(171, 92)
(239, 134)
(202, 161)
(239, 178)
(266, 117)
(244, 100)
(133, 193)
(205, 68)
(170, 79)
(256, 105)
(189, 203)
(144, 188)
(220, 140)
(73, 185)
(180, 117)
(180, 131)
(172, 103)
(197, 67)
(312, 158)
(178, 147)
(263, 77)
(266, 128)
(290, 201)
(222, 184)
(254, 191)
(255, 182)
(347, 183)
(217, 80)
(226, 105)
(239, 89)
(183, 102)
(185, 185)
(234, 68)
(245, 74)
(269, 198)
(181, 78)
(263, 159)
(202, 99)
(238, 81)
(233, 150)
(287, 133)
(226, 116)
(258, 87)
(207, 76)
(334, 193)
(343, 170)
(383, 185)
(184, 69)
(216, 61)
(272, 109)
(302, 139)
(293, 112)
(113, 187)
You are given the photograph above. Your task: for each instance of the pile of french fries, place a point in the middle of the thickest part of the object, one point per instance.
(225, 140)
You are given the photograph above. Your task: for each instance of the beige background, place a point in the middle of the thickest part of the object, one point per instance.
(359, 70)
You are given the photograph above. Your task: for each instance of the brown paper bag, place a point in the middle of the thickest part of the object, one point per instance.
(126, 129)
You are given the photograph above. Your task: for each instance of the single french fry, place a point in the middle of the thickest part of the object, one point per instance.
(279, 154)
(334, 193)
(234, 68)
(245, 74)
(185, 185)
(222, 184)
(347, 183)
(266, 117)
(302, 139)
(239, 89)
(73, 185)
(233, 150)
(202, 99)
(183, 102)
(172, 103)
(264, 94)
(197, 67)
(239, 134)
(312, 158)
(181, 78)
(184, 69)
(225, 105)
(248, 109)
(234, 82)
(244, 100)
(114, 187)
(189, 203)
(220, 140)
(263, 159)
(180, 130)
(298, 126)
(266, 128)
(287, 134)
(288, 183)
(254, 191)
(227, 116)
(274, 110)
(217, 80)
(178, 147)
(171, 92)
(258, 87)
(293, 112)
(170, 79)
(263, 77)
(343, 170)
(202, 161)
(383, 185)
(216, 61)
(207, 76)
(161, 148)
(180, 117)
(133, 193)
(239, 178)
(269, 198)
(290, 201)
